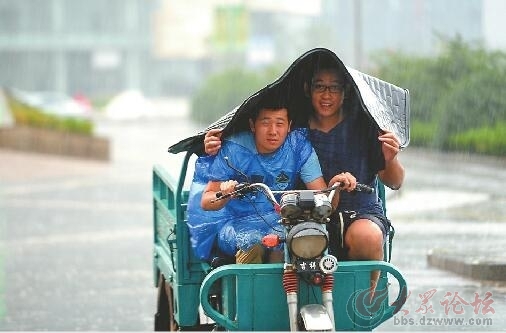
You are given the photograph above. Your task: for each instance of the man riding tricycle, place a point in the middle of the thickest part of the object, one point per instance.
(267, 191)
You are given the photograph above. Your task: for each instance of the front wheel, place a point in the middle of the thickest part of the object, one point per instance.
(164, 317)
(314, 317)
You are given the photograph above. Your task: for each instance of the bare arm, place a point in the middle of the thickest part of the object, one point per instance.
(209, 194)
(393, 174)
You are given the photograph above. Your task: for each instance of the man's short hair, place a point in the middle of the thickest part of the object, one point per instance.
(272, 99)
(327, 62)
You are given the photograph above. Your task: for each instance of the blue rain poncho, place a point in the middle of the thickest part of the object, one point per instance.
(203, 225)
(243, 222)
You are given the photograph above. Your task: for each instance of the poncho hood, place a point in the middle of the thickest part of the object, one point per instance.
(386, 104)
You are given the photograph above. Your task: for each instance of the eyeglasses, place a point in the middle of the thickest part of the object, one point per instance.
(320, 88)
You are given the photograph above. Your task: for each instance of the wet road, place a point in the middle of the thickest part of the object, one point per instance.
(76, 235)
(454, 202)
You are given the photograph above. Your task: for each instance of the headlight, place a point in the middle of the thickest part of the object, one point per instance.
(307, 240)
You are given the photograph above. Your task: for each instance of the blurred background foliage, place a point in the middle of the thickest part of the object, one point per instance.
(27, 115)
(222, 92)
(457, 98)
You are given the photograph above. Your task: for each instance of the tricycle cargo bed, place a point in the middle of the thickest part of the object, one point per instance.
(173, 260)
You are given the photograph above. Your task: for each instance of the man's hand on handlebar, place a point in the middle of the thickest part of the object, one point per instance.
(227, 187)
(215, 193)
(346, 180)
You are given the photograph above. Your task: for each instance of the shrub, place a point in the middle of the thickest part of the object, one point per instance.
(222, 92)
(27, 115)
(422, 133)
(484, 140)
(457, 91)
(473, 104)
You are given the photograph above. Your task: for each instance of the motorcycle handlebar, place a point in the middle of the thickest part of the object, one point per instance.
(243, 188)
(364, 188)
(239, 189)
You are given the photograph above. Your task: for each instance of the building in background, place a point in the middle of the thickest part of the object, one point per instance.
(167, 47)
(93, 47)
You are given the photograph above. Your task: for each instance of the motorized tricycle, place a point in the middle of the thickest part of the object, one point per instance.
(310, 290)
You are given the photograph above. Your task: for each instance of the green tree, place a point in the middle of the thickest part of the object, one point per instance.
(475, 101)
(457, 91)
(221, 92)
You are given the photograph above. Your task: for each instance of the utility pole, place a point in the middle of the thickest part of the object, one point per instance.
(357, 32)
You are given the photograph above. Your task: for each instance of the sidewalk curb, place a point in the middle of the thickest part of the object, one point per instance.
(46, 141)
(475, 266)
